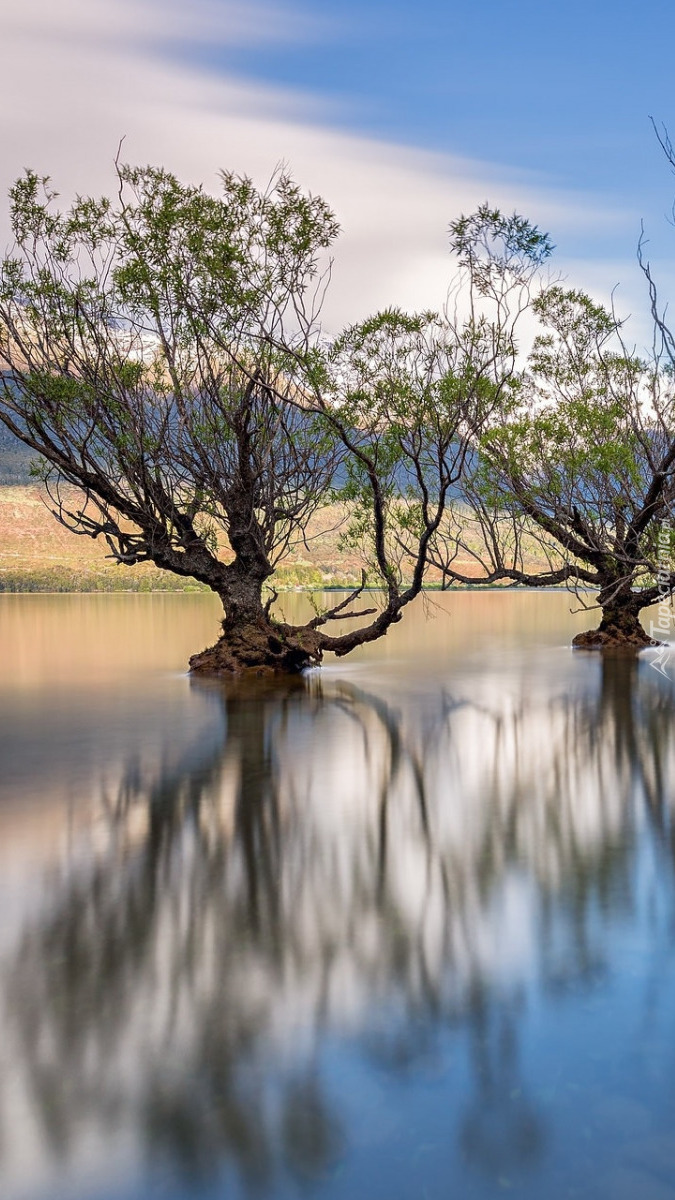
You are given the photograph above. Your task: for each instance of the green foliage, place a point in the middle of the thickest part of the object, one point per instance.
(495, 248)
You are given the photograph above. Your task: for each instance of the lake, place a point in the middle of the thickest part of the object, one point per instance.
(402, 928)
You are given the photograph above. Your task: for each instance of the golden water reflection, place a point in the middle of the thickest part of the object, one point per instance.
(97, 640)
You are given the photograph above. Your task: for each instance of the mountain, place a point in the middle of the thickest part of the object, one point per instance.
(15, 459)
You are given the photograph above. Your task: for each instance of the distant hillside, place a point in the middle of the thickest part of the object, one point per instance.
(15, 459)
(37, 554)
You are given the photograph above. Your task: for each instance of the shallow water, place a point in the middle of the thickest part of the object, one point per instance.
(403, 929)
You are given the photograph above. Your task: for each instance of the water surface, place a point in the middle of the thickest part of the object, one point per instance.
(405, 928)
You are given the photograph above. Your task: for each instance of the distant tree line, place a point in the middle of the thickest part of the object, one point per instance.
(163, 361)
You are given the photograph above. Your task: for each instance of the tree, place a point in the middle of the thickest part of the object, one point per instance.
(577, 464)
(161, 353)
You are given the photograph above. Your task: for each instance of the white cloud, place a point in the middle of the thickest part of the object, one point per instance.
(157, 22)
(80, 74)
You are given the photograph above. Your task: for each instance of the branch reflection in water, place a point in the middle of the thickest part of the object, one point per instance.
(336, 869)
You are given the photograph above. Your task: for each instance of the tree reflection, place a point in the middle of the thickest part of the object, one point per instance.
(502, 1132)
(334, 863)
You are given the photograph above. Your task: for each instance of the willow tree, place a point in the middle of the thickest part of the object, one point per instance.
(573, 478)
(161, 354)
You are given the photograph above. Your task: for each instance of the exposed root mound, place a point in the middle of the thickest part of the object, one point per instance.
(614, 639)
(260, 649)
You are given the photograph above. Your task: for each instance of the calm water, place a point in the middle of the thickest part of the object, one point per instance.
(405, 929)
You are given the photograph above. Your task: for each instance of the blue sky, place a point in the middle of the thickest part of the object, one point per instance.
(564, 90)
(401, 115)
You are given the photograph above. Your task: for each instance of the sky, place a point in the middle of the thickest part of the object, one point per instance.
(401, 115)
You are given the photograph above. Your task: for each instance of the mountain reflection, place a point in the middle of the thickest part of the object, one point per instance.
(334, 864)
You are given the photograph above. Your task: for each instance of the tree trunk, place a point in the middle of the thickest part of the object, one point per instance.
(251, 640)
(619, 629)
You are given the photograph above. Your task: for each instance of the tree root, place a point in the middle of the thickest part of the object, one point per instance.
(614, 638)
(260, 648)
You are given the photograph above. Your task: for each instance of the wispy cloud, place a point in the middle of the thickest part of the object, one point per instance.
(80, 74)
(156, 22)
